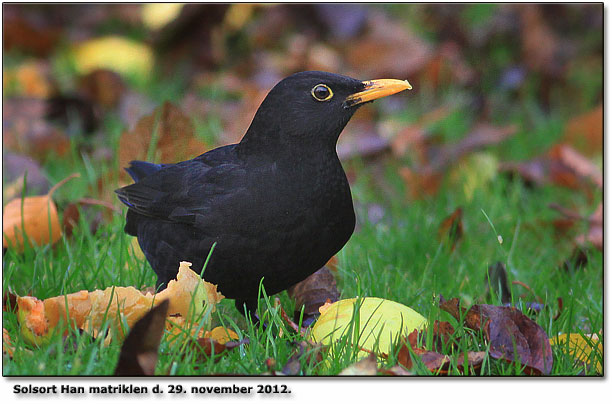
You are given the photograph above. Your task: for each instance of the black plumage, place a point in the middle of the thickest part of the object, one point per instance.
(277, 204)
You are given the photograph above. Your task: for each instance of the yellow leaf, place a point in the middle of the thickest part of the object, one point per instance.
(380, 323)
(156, 15)
(221, 334)
(581, 347)
(115, 53)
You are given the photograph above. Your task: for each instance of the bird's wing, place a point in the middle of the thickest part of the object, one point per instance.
(188, 191)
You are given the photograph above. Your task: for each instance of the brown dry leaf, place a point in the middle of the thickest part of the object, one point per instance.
(36, 216)
(540, 43)
(413, 138)
(577, 163)
(496, 281)
(435, 361)
(209, 346)
(562, 166)
(102, 86)
(30, 36)
(507, 328)
(9, 301)
(451, 228)
(365, 367)
(399, 52)
(595, 233)
(189, 295)
(396, 370)
(167, 131)
(138, 355)
(585, 132)
(312, 293)
(420, 182)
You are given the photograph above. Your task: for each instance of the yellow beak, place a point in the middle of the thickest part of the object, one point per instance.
(375, 89)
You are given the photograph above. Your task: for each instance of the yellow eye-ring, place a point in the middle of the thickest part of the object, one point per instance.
(321, 92)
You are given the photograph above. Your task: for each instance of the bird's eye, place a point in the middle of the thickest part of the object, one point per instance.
(321, 92)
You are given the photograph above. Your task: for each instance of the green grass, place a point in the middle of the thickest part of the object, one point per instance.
(400, 258)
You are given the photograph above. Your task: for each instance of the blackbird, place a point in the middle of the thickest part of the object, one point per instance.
(277, 204)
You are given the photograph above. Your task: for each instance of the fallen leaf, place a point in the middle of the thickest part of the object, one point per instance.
(380, 322)
(580, 165)
(312, 293)
(165, 136)
(34, 217)
(396, 370)
(595, 233)
(496, 282)
(365, 367)
(512, 335)
(562, 166)
(540, 44)
(36, 36)
(584, 348)
(29, 79)
(585, 132)
(156, 15)
(138, 355)
(399, 52)
(451, 228)
(188, 295)
(209, 346)
(116, 53)
(103, 87)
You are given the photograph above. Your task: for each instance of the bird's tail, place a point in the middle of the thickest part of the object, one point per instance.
(140, 169)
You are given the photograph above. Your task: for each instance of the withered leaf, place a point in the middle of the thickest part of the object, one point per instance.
(167, 132)
(390, 42)
(435, 361)
(562, 166)
(585, 132)
(138, 355)
(595, 233)
(451, 228)
(210, 346)
(365, 367)
(513, 335)
(496, 281)
(312, 293)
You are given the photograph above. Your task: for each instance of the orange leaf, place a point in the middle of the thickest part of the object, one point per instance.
(34, 216)
(585, 132)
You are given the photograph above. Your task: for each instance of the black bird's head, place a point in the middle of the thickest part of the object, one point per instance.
(307, 111)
